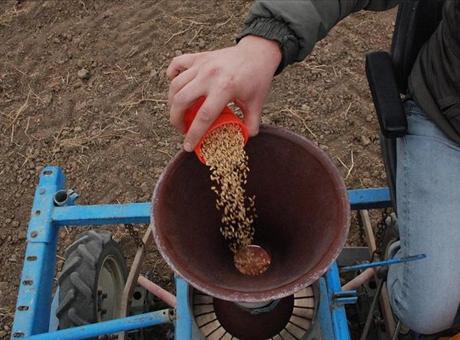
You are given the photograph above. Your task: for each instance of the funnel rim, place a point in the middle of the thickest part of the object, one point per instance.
(319, 268)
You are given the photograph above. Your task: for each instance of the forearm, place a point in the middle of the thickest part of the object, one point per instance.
(298, 25)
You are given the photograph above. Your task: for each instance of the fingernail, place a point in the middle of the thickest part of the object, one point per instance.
(188, 147)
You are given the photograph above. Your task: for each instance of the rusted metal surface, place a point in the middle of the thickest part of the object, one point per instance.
(156, 290)
(303, 221)
(361, 279)
(369, 233)
(384, 299)
(132, 277)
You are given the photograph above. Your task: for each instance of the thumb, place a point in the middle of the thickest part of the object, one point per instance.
(252, 114)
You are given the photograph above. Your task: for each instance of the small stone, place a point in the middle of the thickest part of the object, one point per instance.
(178, 53)
(3, 334)
(6, 328)
(13, 258)
(15, 224)
(153, 73)
(369, 118)
(145, 187)
(201, 43)
(56, 40)
(83, 74)
(8, 221)
(365, 140)
(324, 147)
(22, 236)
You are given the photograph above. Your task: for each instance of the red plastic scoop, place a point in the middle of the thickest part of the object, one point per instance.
(227, 116)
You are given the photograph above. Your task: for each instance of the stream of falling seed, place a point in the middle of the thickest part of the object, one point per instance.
(223, 150)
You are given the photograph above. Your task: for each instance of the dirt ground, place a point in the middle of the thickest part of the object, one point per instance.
(110, 130)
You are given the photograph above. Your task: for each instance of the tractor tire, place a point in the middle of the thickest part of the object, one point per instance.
(92, 280)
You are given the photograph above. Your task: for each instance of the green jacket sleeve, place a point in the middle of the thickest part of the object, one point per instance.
(298, 24)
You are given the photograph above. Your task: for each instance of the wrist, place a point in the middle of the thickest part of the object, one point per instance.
(268, 49)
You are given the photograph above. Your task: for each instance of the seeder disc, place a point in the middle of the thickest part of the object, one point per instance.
(291, 318)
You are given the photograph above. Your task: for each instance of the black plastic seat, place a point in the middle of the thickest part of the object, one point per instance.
(388, 74)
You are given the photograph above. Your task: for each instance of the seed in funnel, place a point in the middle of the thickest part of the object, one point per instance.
(252, 260)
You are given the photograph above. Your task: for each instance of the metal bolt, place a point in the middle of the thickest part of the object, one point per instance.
(42, 191)
(34, 233)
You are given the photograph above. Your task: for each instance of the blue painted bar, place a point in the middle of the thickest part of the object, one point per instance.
(135, 213)
(108, 327)
(346, 300)
(324, 312)
(34, 297)
(345, 297)
(139, 213)
(369, 198)
(339, 317)
(54, 322)
(183, 314)
(389, 262)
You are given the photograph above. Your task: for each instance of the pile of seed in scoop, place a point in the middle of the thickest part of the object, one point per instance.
(223, 151)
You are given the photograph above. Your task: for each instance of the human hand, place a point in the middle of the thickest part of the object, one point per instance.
(242, 74)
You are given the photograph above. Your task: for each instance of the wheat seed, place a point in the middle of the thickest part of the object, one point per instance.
(223, 150)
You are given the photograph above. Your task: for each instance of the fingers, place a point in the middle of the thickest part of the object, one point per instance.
(184, 99)
(211, 108)
(179, 82)
(180, 64)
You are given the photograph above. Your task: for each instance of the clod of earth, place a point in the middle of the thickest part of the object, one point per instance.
(83, 74)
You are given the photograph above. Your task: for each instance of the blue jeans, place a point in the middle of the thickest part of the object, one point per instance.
(425, 294)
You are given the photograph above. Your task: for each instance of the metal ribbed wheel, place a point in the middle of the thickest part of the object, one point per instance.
(289, 318)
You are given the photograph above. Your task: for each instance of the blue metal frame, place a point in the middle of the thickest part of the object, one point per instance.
(183, 324)
(372, 198)
(108, 327)
(339, 317)
(34, 298)
(32, 315)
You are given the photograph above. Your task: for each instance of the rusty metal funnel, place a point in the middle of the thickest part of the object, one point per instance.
(303, 220)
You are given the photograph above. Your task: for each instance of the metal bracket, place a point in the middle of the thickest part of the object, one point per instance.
(344, 298)
(63, 197)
